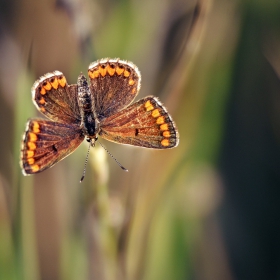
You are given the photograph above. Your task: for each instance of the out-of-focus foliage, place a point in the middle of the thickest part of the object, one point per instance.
(206, 210)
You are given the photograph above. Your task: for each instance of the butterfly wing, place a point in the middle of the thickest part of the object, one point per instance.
(145, 123)
(55, 99)
(114, 84)
(45, 143)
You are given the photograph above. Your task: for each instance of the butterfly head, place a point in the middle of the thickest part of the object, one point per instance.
(82, 81)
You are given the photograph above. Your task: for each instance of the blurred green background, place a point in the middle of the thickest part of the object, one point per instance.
(208, 209)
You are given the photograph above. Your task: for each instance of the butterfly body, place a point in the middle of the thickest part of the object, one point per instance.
(101, 107)
(89, 121)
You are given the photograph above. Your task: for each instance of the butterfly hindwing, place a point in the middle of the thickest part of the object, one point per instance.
(55, 99)
(114, 84)
(46, 142)
(145, 123)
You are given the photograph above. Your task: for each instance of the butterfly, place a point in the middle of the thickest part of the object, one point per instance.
(101, 107)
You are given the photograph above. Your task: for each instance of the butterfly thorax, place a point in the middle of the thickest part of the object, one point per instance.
(89, 122)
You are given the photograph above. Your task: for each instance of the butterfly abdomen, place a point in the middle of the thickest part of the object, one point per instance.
(89, 122)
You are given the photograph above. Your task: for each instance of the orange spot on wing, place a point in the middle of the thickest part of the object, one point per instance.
(96, 74)
(42, 101)
(62, 81)
(30, 161)
(102, 70)
(133, 91)
(47, 85)
(36, 127)
(111, 70)
(126, 73)
(93, 74)
(32, 137)
(131, 82)
(164, 127)
(119, 70)
(160, 120)
(31, 146)
(29, 154)
(35, 168)
(43, 91)
(54, 83)
(148, 105)
(165, 142)
(90, 74)
(156, 113)
(166, 133)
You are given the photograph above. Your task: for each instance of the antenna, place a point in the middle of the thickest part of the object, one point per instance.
(85, 166)
(122, 167)
(86, 161)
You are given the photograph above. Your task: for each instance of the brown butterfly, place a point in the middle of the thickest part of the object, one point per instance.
(85, 110)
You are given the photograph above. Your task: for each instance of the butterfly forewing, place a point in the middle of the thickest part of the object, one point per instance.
(55, 99)
(114, 84)
(46, 142)
(145, 123)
